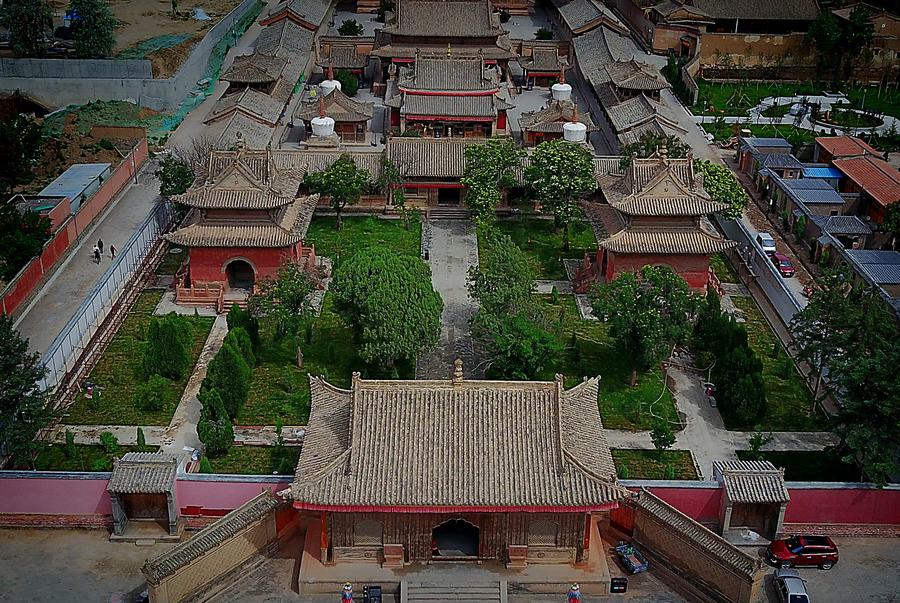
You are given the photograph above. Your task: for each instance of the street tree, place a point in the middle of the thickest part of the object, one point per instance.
(722, 186)
(28, 22)
(21, 142)
(504, 280)
(662, 437)
(561, 173)
(343, 182)
(648, 313)
(22, 236)
(24, 412)
(391, 304)
(285, 299)
(490, 170)
(93, 28)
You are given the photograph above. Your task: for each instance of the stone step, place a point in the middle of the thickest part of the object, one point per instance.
(448, 213)
(435, 592)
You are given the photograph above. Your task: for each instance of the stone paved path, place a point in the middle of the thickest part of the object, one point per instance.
(705, 434)
(453, 250)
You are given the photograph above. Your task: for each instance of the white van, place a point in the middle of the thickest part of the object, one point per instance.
(767, 242)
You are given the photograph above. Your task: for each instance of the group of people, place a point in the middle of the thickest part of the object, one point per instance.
(98, 251)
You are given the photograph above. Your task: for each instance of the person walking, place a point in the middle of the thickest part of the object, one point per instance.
(100, 245)
(96, 253)
(112, 252)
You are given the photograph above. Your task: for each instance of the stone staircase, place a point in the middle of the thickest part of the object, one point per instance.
(434, 592)
(448, 213)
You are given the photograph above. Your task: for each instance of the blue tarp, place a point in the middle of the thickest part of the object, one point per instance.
(822, 172)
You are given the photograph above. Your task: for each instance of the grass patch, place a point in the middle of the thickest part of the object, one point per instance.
(851, 119)
(796, 136)
(359, 233)
(88, 457)
(279, 389)
(543, 244)
(595, 353)
(117, 374)
(171, 261)
(789, 400)
(107, 113)
(777, 110)
(809, 466)
(257, 460)
(650, 464)
(723, 268)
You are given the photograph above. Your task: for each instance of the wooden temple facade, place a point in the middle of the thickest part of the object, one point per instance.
(406, 472)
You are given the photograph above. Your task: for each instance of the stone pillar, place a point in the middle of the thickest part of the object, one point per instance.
(173, 512)
(120, 520)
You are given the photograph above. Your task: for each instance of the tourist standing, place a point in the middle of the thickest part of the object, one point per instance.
(96, 254)
(100, 245)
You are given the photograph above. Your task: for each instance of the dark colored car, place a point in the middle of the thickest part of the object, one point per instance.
(799, 551)
(784, 265)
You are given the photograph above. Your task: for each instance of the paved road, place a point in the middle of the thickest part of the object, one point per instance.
(454, 249)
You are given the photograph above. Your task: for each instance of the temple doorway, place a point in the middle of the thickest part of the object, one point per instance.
(454, 539)
(240, 275)
(448, 196)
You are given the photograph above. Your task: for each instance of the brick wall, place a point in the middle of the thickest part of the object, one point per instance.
(208, 263)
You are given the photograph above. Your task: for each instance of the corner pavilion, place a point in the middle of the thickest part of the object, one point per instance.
(407, 472)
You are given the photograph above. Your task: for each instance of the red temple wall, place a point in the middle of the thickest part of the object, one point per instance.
(692, 268)
(207, 264)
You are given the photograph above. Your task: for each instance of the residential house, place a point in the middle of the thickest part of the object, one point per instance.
(876, 181)
(786, 195)
(749, 147)
(829, 148)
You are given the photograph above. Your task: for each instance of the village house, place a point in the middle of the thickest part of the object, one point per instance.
(876, 181)
(655, 214)
(403, 473)
(829, 148)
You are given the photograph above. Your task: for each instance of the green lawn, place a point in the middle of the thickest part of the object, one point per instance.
(544, 245)
(851, 119)
(789, 400)
(87, 458)
(807, 466)
(117, 374)
(279, 389)
(796, 136)
(621, 406)
(362, 233)
(723, 269)
(650, 464)
(257, 460)
(777, 110)
(171, 261)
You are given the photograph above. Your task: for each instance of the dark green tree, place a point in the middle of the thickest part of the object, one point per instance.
(284, 299)
(504, 280)
(342, 182)
(561, 173)
(109, 442)
(891, 223)
(649, 143)
(350, 27)
(662, 437)
(175, 176)
(153, 394)
(517, 346)
(390, 301)
(205, 466)
(70, 450)
(740, 389)
(489, 171)
(22, 237)
(238, 317)
(94, 28)
(23, 408)
(28, 22)
(214, 428)
(240, 339)
(825, 33)
(349, 82)
(142, 441)
(168, 348)
(648, 313)
(229, 374)
(21, 141)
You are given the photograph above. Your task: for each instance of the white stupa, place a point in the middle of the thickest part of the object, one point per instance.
(330, 85)
(322, 126)
(575, 130)
(561, 91)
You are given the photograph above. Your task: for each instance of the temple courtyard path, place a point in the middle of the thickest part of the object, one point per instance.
(453, 249)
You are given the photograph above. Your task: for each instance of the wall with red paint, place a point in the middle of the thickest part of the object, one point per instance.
(207, 264)
(197, 495)
(692, 268)
(54, 494)
(844, 505)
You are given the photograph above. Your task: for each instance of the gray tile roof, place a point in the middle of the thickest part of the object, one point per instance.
(211, 198)
(463, 444)
(143, 473)
(543, 59)
(759, 10)
(630, 75)
(451, 18)
(779, 161)
(252, 103)
(254, 69)
(579, 14)
(599, 47)
(449, 74)
(810, 191)
(344, 57)
(209, 538)
(666, 240)
(737, 559)
(422, 158)
(311, 11)
(452, 106)
(883, 267)
(842, 225)
(285, 39)
(338, 106)
(553, 117)
(751, 481)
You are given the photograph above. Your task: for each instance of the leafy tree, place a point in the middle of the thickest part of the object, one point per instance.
(229, 374)
(722, 186)
(662, 437)
(825, 33)
(22, 237)
(152, 395)
(349, 27)
(648, 313)
(168, 348)
(94, 29)
(560, 174)
(858, 33)
(284, 299)
(543, 34)
(390, 301)
(21, 141)
(238, 317)
(517, 346)
(650, 143)
(349, 82)
(342, 182)
(175, 176)
(23, 409)
(757, 442)
(28, 22)
(109, 442)
(214, 428)
(390, 181)
(504, 279)
(240, 339)
(490, 169)
(891, 223)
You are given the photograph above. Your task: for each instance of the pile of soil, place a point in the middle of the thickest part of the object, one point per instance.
(166, 61)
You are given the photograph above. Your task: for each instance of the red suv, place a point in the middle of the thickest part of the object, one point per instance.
(783, 264)
(803, 550)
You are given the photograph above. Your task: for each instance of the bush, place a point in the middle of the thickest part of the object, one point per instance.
(211, 405)
(151, 395)
(543, 34)
(99, 465)
(205, 467)
(349, 82)
(669, 471)
(351, 28)
(70, 451)
(229, 373)
(238, 317)
(623, 472)
(240, 339)
(109, 442)
(142, 441)
(168, 349)
(518, 347)
(217, 436)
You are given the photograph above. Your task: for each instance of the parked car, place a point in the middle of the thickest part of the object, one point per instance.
(783, 264)
(767, 242)
(791, 588)
(807, 550)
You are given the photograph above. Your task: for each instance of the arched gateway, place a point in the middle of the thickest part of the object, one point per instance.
(240, 274)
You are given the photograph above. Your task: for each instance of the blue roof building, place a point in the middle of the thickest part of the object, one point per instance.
(78, 183)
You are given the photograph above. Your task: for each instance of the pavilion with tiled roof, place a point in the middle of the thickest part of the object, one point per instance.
(655, 213)
(350, 116)
(629, 78)
(455, 469)
(547, 123)
(309, 14)
(542, 67)
(246, 220)
(142, 489)
(755, 497)
(582, 16)
(256, 70)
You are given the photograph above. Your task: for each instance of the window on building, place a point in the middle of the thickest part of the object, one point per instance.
(542, 532)
(368, 532)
